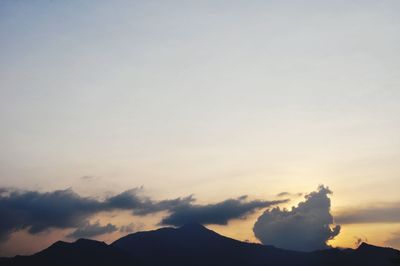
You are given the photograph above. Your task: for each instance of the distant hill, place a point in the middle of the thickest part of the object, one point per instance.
(193, 245)
(81, 252)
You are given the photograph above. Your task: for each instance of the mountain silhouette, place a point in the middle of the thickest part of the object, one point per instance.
(192, 245)
(81, 252)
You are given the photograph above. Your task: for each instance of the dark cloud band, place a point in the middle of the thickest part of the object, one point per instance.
(219, 213)
(37, 211)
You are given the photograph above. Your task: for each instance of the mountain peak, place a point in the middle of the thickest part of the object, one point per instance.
(366, 246)
(84, 241)
(193, 226)
(371, 250)
(59, 244)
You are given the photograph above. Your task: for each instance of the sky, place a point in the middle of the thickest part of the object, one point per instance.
(120, 116)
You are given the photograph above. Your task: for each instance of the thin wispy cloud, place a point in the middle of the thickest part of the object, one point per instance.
(289, 194)
(383, 213)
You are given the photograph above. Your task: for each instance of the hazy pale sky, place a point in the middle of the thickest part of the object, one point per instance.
(212, 98)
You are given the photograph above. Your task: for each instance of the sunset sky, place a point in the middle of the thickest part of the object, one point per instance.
(177, 109)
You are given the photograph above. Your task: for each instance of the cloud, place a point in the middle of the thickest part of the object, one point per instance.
(382, 213)
(37, 211)
(88, 178)
(283, 194)
(129, 228)
(305, 227)
(131, 199)
(85, 177)
(219, 213)
(65, 209)
(288, 194)
(90, 230)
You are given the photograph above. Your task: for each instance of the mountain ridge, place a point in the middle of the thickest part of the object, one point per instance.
(194, 244)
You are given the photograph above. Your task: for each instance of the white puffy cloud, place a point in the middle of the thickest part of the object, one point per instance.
(306, 227)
